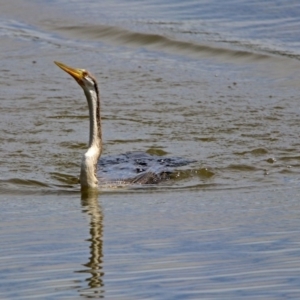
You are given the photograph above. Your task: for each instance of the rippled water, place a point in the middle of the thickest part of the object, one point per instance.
(213, 83)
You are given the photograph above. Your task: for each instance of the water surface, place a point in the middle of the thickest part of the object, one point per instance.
(214, 83)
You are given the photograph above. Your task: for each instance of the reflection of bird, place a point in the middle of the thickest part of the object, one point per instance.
(148, 169)
(91, 206)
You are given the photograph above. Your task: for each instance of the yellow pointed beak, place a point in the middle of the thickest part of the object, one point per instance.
(77, 74)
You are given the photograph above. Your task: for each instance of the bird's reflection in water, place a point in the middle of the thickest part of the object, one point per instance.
(90, 205)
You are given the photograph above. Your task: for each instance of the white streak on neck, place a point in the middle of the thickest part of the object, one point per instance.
(90, 159)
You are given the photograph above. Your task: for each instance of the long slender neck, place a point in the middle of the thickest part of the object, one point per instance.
(90, 159)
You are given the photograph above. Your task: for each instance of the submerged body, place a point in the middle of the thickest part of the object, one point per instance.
(137, 168)
(128, 168)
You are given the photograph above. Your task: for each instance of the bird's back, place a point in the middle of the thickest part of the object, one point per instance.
(137, 168)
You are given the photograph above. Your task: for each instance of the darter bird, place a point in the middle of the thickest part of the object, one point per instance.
(128, 168)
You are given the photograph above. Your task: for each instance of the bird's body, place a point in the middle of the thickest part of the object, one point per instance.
(135, 167)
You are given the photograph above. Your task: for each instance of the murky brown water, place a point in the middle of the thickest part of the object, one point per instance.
(226, 226)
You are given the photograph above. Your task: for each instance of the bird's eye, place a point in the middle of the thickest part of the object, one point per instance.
(84, 73)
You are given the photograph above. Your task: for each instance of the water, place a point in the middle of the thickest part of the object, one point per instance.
(214, 83)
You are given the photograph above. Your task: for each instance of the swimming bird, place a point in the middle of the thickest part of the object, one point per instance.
(142, 167)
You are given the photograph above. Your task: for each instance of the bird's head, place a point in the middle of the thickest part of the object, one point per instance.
(83, 77)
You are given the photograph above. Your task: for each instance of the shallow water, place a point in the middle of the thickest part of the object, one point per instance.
(214, 84)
